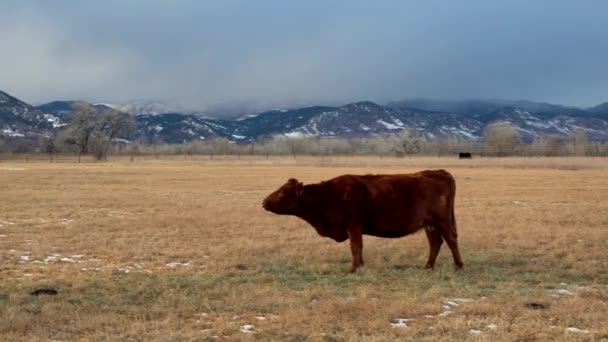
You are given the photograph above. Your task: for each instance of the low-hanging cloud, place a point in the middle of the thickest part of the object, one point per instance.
(239, 55)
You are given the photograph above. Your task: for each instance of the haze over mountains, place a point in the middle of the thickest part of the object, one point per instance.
(435, 119)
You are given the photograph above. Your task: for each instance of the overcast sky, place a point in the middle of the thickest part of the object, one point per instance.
(228, 53)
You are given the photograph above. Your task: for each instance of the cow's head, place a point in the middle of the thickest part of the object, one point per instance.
(286, 200)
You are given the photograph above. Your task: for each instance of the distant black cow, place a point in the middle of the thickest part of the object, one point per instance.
(465, 155)
(390, 206)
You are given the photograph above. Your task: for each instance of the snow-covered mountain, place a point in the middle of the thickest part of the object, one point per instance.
(462, 120)
(142, 107)
(368, 119)
(21, 121)
(64, 109)
(181, 128)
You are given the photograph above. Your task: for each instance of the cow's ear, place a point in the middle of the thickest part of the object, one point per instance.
(299, 188)
(292, 181)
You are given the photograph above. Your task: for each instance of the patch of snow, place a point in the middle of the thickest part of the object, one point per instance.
(11, 133)
(474, 332)
(400, 323)
(445, 313)
(54, 121)
(564, 130)
(127, 269)
(538, 124)
(461, 300)
(247, 328)
(467, 134)
(236, 136)
(67, 260)
(260, 318)
(558, 292)
(49, 259)
(492, 326)
(388, 125)
(577, 330)
(124, 141)
(451, 303)
(294, 134)
(214, 125)
(25, 257)
(175, 264)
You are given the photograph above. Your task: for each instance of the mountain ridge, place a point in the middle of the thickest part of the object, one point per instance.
(434, 119)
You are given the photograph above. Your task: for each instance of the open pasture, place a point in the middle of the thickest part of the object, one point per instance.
(181, 249)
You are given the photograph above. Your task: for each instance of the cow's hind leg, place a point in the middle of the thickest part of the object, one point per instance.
(448, 232)
(435, 241)
(355, 235)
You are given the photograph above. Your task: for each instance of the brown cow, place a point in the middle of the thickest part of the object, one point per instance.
(391, 206)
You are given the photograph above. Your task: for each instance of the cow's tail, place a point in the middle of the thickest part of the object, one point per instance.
(452, 200)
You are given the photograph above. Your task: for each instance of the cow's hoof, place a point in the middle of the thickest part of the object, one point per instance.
(429, 267)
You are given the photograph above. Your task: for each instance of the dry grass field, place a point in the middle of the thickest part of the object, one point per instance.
(180, 250)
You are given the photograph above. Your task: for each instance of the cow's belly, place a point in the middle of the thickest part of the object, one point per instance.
(393, 228)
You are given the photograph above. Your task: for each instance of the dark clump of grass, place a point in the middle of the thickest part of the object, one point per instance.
(140, 296)
(4, 297)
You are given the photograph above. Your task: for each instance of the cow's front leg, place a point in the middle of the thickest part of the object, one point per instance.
(355, 235)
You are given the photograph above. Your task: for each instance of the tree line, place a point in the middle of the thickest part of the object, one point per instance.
(96, 132)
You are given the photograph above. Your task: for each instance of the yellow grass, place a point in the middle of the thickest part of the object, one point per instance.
(180, 249)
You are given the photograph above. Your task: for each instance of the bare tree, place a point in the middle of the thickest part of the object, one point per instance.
(81, 127)
(93, 130)
(2, 146)
(110, 124)
(501, 138)
(580, 141)
(47, 145)
(554, 145)
(408, 143)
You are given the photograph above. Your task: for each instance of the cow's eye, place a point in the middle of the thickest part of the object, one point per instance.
(281, 194)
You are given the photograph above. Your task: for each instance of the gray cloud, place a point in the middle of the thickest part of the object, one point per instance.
(225, 54)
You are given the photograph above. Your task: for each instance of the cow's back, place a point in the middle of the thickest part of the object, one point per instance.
(399, 204)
